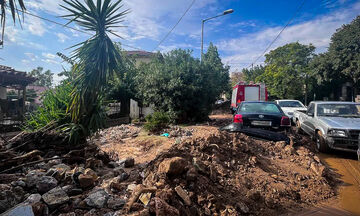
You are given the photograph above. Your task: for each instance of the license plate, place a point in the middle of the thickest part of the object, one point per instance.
(261, 123)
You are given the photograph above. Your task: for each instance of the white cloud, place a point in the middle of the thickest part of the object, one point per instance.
(49, 55)
(31, 56)
(317, 31)
(62, 37)
(34, 25)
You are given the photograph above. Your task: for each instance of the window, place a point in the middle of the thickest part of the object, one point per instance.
(339, 110)
(290, 104)
(259, 108)
(311, 109)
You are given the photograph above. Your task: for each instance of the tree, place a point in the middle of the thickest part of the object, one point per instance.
(43, 78)
(180, 85)
(344, 52)
(236, 77)
(96, 59)
(252, 73)
(287, 72)
(12, 4)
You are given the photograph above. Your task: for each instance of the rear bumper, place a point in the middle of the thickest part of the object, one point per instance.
(343, 144)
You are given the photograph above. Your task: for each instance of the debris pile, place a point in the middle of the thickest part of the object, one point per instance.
(117, 134)
(175, 131)
(220, 173)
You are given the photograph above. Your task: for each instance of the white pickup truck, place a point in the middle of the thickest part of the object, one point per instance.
(334, 125)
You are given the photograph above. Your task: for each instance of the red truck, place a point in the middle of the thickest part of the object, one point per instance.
(248, 92)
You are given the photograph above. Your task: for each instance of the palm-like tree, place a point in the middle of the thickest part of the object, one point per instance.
(13, 5)
(97, 58)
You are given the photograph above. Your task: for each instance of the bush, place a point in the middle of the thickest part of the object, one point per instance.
(157, 121)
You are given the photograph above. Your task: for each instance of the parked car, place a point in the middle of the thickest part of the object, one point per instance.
(289, 106)
(334, 125)
(261, 114)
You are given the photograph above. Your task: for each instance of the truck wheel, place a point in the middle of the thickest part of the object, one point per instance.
(321, 144)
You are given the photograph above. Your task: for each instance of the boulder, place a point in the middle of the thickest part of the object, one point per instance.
(55, 197)
(129, 162)
(172, 166)
(116, 203)
(33, 177)
(45, 184)
(86, 181)
(97, 199)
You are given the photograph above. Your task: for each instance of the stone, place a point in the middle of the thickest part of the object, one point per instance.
(97, 199)
(129, 162)
(183, 194)
(86, 181)
(243, 207)
(70, 190)
(33, 177)
(55, 173)
(123, 176)
(91, 173)
(7, 200)
(172, 166)
(55, 161)
(161, 208)
(18, 183)
(23, 210)
(113, 164)
(116, 203)
(33, 198)
(45, 184)
(55, 197)
(62, 167)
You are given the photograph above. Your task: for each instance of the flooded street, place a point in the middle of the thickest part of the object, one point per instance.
(349, 168)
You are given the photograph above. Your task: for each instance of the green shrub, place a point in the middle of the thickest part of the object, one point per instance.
(157, 121)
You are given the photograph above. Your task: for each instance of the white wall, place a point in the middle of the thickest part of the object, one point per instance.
(134, 109)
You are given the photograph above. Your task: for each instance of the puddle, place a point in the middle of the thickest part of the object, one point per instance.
(349, 168)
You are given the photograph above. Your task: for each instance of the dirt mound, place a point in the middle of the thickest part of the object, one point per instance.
(232, 174)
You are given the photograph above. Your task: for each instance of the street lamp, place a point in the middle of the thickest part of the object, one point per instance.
(229, 11)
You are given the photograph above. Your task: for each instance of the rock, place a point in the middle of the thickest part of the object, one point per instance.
(109, 214)
(7, 200)
(18, 183)
(129, 162)
(161, 208)
(183, 194)
(33, 177)
(70, 190)
(289, 150)
(55, 161)
(55, 197)
(91, 173)
(116, 203)
(55, 173)
(131, 187)
(45, 184)
(68, 214)
(86, 181)
(33, 198)
(97, 199)
(172, 166)
(280, 145)
(243, 207)
(23, 210)
(123, 176)
(113, 164)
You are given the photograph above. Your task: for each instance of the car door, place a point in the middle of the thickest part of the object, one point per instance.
(308, 118)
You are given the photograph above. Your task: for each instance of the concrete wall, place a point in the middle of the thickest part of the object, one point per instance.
(136, 111)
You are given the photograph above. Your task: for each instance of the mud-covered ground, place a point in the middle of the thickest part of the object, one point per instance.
(197, 170)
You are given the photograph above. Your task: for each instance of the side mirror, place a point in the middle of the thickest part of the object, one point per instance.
(310, 114)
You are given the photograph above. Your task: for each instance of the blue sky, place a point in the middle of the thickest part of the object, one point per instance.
(240, 37)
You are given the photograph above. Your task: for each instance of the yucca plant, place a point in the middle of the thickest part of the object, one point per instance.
(96, 58)
(13, 5)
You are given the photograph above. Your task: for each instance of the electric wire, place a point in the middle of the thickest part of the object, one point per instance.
(167, 35)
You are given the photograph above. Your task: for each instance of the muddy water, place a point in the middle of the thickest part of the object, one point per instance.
(349, 168)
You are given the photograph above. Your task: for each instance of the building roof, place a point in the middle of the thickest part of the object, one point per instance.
(140, 53)
(13, 78)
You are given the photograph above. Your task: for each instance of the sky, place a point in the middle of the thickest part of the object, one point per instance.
(241, 37)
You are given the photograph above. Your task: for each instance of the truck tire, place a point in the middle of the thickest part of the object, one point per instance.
(321, 144)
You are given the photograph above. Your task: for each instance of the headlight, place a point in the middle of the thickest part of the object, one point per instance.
(338, 133)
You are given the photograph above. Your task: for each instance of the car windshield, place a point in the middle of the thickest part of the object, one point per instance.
(259, 108)
(290, 104)
(339, 110)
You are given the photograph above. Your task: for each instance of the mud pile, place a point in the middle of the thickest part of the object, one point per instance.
(233, 174)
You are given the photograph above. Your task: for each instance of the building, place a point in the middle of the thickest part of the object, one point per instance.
(14, 109)
(140, 56)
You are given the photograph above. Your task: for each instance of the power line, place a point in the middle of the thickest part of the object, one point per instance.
(192, 3)
(69, 27)
(287, 24)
